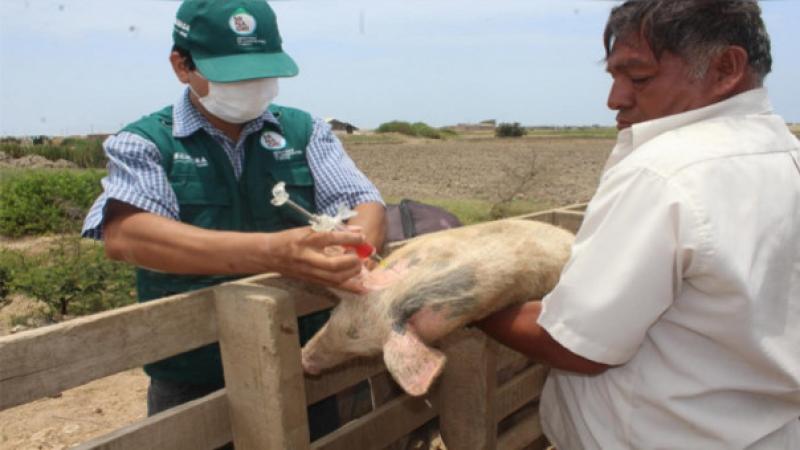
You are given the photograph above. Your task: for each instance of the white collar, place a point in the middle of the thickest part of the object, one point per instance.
(754, 101)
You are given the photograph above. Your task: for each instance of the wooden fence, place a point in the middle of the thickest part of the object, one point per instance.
(486, 399)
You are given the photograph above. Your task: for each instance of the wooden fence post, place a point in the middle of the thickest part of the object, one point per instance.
(467, 391)
(258, 337)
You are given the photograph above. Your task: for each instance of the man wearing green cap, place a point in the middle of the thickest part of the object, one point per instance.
(187, 196)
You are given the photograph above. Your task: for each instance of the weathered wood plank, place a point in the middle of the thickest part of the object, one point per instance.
(199, 424)
(541, 216)
(339, 378)
(521, 435)
(508, 357)
(570, 220)
(520, 390)
(576, 207)
(48, 360)
(467, 391)
(258, 337)
(378, 429)
(308, 298)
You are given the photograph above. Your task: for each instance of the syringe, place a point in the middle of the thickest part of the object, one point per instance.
(280, 197)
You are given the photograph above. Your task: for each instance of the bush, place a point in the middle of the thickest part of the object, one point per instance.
(86, 153)
(510, 130)
(5, 282)
(416, 129)
(73, 278)
(46, 201)
(396, 127)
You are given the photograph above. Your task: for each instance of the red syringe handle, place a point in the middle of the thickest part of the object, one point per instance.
(365, 251)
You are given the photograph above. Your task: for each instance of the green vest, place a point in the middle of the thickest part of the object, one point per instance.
(210, 196)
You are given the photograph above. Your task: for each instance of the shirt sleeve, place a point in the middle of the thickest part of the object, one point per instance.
(626, 266)
(135, 177)
(336, 177)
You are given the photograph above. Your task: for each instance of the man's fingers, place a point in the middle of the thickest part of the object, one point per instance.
(343, 238)
(312, 272)
(354, 285)
(335, 263)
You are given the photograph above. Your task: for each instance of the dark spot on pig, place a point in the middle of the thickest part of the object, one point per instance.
(454, 289)
(462, 306)
(399, 328)
(352, 332)
(414, 261)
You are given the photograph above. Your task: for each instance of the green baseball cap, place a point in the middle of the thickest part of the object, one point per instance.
(232, 40)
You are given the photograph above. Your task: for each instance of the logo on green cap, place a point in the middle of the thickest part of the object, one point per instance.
(242, 23)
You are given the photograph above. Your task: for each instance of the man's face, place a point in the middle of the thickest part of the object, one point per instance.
(645, 88)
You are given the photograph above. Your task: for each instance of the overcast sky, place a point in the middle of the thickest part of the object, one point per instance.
(81, 66)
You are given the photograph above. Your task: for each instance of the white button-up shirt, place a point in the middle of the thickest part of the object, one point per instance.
(686, 276)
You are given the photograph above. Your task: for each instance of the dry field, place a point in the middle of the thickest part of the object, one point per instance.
(546, 170)
(554, 170)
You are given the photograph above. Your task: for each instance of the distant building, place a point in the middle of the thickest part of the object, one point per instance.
(338, 125)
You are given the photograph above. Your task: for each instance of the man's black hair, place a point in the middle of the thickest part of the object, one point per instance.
(694, 29)
(187, 57)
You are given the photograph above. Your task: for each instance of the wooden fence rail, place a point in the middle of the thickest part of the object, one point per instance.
(485, 387)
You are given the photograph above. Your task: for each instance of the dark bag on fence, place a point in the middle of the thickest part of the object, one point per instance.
(411, 218)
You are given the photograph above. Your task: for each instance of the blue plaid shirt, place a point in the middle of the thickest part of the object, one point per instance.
(136, 177)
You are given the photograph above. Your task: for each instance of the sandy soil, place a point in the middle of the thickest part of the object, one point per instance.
(557, 171)
(77, 414)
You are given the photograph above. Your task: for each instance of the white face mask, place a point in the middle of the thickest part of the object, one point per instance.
(239, 101)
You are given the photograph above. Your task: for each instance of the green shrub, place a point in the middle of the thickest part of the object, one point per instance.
(45, 201)
(73, 278)
(422, 129)
(417, 129)
(5, 283)
(510, 130)
(396, 126)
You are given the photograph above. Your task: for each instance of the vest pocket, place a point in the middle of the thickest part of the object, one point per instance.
(294, 174)
(299, 186)
(202, 204)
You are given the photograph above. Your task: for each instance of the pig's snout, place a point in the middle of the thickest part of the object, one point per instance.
(310, 366)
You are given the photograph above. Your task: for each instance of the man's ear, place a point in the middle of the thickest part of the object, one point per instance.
(179, 67)
(730, 72)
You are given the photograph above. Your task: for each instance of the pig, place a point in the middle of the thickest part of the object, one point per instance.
(433, 285)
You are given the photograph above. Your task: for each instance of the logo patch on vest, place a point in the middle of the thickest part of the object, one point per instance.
(185, 158)
(285, 155)
(271, 140)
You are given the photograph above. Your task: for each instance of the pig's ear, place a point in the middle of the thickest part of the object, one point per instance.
(412, 364)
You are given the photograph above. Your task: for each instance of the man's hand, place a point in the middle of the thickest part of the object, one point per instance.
(318, 257)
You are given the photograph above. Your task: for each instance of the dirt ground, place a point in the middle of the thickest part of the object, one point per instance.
(555, 171)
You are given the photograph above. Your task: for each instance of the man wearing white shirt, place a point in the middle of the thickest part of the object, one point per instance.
(676, 323)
